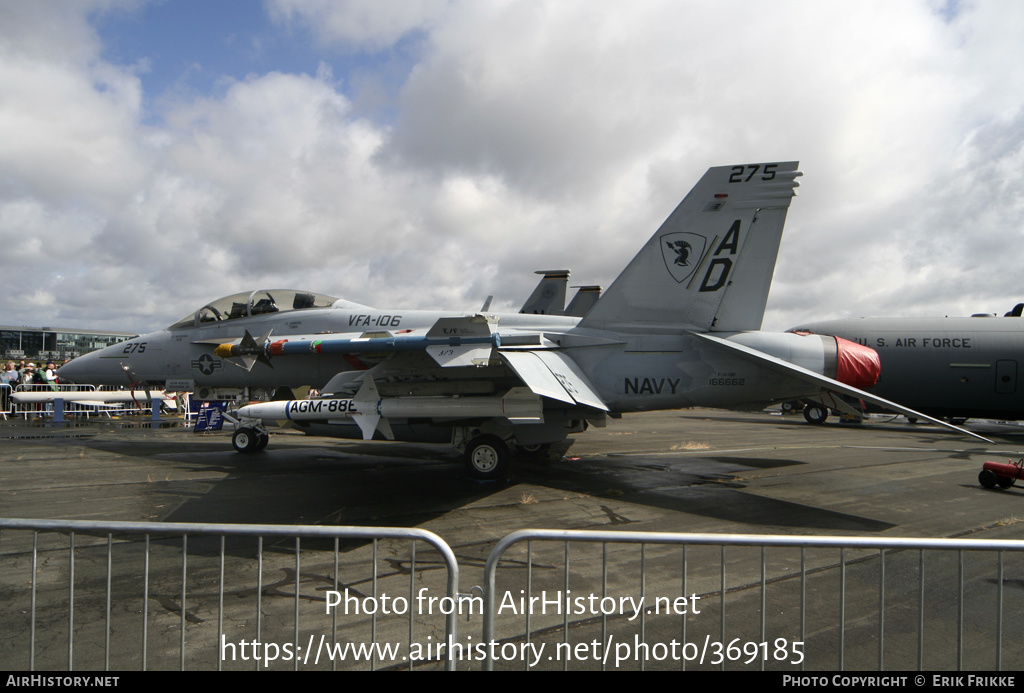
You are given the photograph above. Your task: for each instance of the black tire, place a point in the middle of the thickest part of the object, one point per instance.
(815, 413)
(792, 407)
(988, 478)
(543, 452)
(912, 419)
(487, 458)
(1005, 481)
(264, 440)
(246, 440)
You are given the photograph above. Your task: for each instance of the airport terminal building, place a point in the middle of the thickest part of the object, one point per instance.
(54, 343)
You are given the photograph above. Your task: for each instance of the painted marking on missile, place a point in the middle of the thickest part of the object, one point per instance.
(321, 406)
(650, 386)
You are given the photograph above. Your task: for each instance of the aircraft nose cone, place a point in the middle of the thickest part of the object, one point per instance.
(858, 365)
(90, 370)
(72, 371)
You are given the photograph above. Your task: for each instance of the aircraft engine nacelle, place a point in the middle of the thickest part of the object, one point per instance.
(850, 363)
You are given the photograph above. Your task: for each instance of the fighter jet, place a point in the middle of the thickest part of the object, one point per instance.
(670, 332)
(958, 368)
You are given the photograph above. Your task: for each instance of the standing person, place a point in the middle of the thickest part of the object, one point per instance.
(9, 377)
(10, 374)
(51, 374)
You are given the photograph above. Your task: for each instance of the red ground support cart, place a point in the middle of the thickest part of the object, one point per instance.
(999, 474)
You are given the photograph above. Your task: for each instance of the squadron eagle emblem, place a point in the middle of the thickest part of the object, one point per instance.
(682, 253)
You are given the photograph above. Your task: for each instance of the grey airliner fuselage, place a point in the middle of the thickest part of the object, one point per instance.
(948, 367)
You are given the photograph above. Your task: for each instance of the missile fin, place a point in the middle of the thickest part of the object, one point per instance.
(367, 424)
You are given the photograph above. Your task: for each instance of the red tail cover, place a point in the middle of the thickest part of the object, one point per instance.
(858, 365)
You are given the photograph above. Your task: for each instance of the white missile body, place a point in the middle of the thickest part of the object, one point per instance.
(86, 396)
(518, 405)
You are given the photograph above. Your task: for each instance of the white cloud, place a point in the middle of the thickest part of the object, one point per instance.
(526, 135)
(359, 24)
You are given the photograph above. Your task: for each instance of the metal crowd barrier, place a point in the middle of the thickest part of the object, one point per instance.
(74, 409)
(144, 595)
(139, 595)
(868, 609)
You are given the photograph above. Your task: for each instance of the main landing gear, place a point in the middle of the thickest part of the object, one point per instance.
(490, 458)
(815, 413)
(487, 458)
(247, 439)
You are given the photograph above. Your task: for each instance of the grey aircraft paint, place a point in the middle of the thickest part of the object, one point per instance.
(679, 327)
(950, 367)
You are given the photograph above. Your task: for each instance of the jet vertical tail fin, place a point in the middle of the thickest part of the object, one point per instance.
(710, 264)
(583, 301)
(549, 296)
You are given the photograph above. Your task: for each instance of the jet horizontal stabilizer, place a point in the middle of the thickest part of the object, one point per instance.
(828, 383)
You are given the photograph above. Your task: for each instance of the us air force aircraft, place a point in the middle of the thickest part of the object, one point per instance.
(679, 327)
(957, 368)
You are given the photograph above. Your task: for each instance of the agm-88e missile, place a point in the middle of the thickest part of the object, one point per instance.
(519, 405)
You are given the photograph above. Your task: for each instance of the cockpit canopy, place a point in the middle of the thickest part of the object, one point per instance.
(257, 302)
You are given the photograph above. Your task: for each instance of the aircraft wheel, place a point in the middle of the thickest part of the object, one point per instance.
(264, 440)
(487, 458)
(1005, 481)
(246, 440)
(791, 407)
(815, 413)
(988, 478)
(535, 453)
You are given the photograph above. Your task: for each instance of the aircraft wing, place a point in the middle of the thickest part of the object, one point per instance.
(826, 382)
(555, 375)
(450, 342)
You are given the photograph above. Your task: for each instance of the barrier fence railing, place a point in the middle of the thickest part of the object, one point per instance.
(148, 595)
(687, 600)
(129, 402)
(143, 595)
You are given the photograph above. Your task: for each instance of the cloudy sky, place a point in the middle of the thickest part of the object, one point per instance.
(427, 153)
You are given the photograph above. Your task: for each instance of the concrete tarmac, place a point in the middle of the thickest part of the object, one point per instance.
(695, 471)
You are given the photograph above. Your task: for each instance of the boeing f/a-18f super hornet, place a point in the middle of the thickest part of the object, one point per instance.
(957, 368)
(679, 327)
